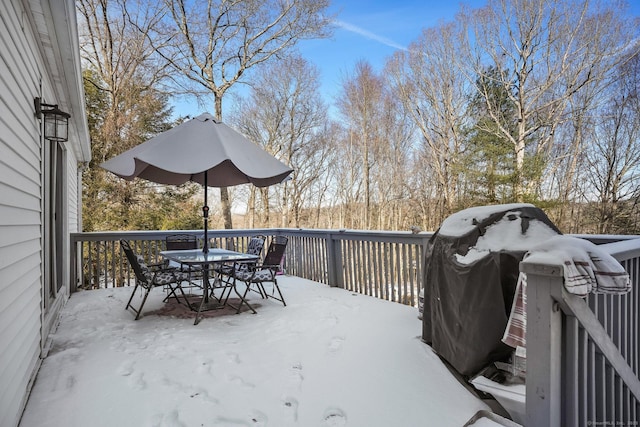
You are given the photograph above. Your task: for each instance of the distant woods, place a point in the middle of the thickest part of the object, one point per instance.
(520, 101)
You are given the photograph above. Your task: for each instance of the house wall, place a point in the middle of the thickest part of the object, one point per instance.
(35, 61)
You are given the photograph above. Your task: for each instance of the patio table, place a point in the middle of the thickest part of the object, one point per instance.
(196, 257)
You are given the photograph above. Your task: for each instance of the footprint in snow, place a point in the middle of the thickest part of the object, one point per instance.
(71, 382)
(334, 417)
(290, 409)
(234, 379)
(206, 367)
(137, 382)
(296, 375)
(336, 344)
(258, 419)
(126, 368)
(170, 419)
(233, 358)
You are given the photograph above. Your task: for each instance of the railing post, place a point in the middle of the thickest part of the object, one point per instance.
(334, 261)
(73, 267)
(571, 372)
(544, 343)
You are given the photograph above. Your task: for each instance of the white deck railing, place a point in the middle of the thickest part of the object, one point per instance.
(383, 264)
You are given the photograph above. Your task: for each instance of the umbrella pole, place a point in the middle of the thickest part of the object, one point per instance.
(205, 215)
(205, 246)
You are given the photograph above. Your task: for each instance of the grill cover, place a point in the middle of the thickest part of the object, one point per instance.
(470, 275)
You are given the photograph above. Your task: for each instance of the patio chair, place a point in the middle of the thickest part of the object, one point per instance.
(256, 243)
(255, 277)
(225, 271)
(149, 276)
(178, 242)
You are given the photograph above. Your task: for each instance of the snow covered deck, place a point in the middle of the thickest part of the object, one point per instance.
(330, 358)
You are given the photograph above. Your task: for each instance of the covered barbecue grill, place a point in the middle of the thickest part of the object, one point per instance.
(470, 276)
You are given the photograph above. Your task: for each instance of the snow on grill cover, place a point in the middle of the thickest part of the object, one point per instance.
(470, 275)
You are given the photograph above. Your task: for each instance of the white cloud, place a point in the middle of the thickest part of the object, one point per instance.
(368, 34)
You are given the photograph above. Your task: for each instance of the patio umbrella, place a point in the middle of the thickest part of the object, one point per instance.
(201, 150)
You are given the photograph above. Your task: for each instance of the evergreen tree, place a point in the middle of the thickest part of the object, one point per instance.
(489, 160)
(111, 203)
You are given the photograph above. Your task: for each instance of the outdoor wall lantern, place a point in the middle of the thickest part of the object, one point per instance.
(56, 121)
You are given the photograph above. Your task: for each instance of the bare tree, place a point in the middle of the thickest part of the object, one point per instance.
(121, 62)
(376, 145)
(392, 174)
(323, 190)
(347, 170)
(566, 165)
(434, 93)
(213, 44)
(285, 113)
(614, 154)
(546, 53)
(361, 107)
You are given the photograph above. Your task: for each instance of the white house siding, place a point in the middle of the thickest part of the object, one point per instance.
(34, 62)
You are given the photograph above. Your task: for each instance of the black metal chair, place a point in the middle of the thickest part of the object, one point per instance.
(255, 246)
(256, 276)
(149, 276)
(179, 242)
(225, 272)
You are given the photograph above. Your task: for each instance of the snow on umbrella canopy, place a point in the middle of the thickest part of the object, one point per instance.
(201, 150)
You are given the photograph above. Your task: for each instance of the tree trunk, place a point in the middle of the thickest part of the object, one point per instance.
(224, 193)
(251, 205)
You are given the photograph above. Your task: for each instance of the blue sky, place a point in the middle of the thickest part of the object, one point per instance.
(366, 30)
(373, 31)
(369, 30)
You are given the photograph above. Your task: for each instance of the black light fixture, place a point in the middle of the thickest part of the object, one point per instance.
(56, 121)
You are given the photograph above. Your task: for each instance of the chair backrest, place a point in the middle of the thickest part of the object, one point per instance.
(275, 253)
(178, 242)
(281, 239)
(137, 263)
(255, 245)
